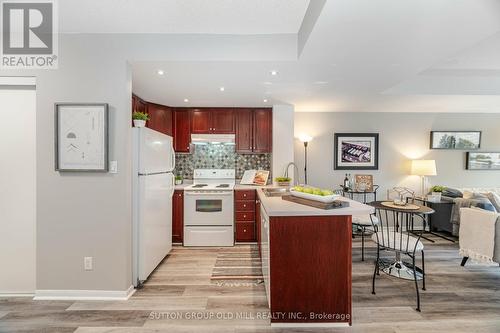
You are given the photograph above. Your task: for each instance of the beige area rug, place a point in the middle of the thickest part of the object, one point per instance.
(237, 266)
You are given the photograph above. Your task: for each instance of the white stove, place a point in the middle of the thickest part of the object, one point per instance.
(209, 208)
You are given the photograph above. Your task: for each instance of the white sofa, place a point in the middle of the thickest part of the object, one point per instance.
(466, 201)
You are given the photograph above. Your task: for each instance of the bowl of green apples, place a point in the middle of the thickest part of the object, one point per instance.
(313, 193)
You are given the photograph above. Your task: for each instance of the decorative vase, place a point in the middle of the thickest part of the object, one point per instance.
(178, 182)
(139, 123)
(437, 196)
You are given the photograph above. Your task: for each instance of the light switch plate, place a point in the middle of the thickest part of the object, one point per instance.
(113, 167)
(88, 263)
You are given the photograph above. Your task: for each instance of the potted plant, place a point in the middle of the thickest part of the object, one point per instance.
(437, 191)
(178, 180)
(283, 181)
(140, 118)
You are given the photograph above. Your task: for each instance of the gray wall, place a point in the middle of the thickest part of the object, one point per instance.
(89, 214)
(403, 136)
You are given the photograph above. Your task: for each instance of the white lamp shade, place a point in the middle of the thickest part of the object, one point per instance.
(423, 167)
(305, 138)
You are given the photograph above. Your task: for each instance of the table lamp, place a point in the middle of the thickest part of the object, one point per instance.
(423, 168)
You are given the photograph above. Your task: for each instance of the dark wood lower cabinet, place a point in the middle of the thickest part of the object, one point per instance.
(245, 231)
(244, 215)
(178, 216)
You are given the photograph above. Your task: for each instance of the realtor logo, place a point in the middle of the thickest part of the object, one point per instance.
(29, 36)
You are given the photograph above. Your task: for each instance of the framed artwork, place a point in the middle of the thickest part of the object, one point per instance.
(364, 183)
(456, 140)
(483, 161)
(81, 137)
(356, 151)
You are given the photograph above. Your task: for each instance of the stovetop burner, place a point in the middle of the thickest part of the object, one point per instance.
(200, 185)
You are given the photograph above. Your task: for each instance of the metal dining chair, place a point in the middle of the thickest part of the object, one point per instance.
(393, 234)
(363, 222)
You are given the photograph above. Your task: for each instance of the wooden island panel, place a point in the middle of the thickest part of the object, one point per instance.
(310, 269)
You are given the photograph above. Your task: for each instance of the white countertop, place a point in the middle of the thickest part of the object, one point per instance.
(275, 206)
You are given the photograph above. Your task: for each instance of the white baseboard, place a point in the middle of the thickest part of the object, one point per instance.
(16, 294)
(84, 295)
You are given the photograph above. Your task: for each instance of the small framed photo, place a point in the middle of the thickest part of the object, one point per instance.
(81, 137)
(364, 183)
(460, 140)
(356, 151)
(483, 161)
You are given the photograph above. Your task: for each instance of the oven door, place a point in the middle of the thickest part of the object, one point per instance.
(208, 208)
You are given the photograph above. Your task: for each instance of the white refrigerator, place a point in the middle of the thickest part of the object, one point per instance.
(153, 188)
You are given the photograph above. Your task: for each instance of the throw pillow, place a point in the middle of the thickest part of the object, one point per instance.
(483, 202)
(494, 199)
(452, 193)
(467, 194)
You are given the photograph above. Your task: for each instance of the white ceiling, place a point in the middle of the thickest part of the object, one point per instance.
(362, 55)
(182, 16)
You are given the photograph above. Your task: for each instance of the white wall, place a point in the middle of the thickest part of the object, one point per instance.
(403, 136)
(90, 214)
(18, 187)
(283, 153)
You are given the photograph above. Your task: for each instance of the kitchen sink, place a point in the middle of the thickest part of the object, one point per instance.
(275, 191)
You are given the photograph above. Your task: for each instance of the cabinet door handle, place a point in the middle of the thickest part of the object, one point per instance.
(245, 195)
(244, 230)
(244, 206)
(244, 216)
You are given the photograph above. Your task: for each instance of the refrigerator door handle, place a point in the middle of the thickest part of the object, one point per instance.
(172, 190)
(173, 157)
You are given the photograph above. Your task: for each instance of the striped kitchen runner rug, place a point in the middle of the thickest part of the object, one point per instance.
(237, 266)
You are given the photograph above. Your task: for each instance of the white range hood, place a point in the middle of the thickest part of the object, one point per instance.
(204, 139)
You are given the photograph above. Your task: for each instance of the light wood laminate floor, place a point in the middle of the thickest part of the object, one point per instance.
(179, 297)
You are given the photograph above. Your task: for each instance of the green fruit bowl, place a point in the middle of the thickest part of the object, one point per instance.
(315, 194)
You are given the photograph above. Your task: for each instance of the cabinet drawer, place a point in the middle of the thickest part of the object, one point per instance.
(245, 231)
(244, 205)
(245, 216)
(244, 194)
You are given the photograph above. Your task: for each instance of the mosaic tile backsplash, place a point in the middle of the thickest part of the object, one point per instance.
(220, 157)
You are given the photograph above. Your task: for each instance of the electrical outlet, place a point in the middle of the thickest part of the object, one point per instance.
(88, 263)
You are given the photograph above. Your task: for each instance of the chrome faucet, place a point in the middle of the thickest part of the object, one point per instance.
(296, 175)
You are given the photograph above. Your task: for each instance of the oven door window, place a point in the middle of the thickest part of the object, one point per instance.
(208, 205)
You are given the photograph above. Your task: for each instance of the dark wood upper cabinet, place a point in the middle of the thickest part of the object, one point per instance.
(212, 121)
(254, 130)
(223, 121)
(201, 121)
(182, 130)
(138, 104)
(244, 130)
(262, 131)
(160, 118)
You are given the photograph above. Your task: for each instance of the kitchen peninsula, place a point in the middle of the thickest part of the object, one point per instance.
(306, 261)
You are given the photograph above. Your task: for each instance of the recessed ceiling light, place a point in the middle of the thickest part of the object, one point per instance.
(265, 100)
(186, 100)
(160, 72)
(222, 89)
(274, 72)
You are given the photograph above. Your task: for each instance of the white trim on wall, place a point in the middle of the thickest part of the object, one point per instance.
(7, 294)
(84, 295)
